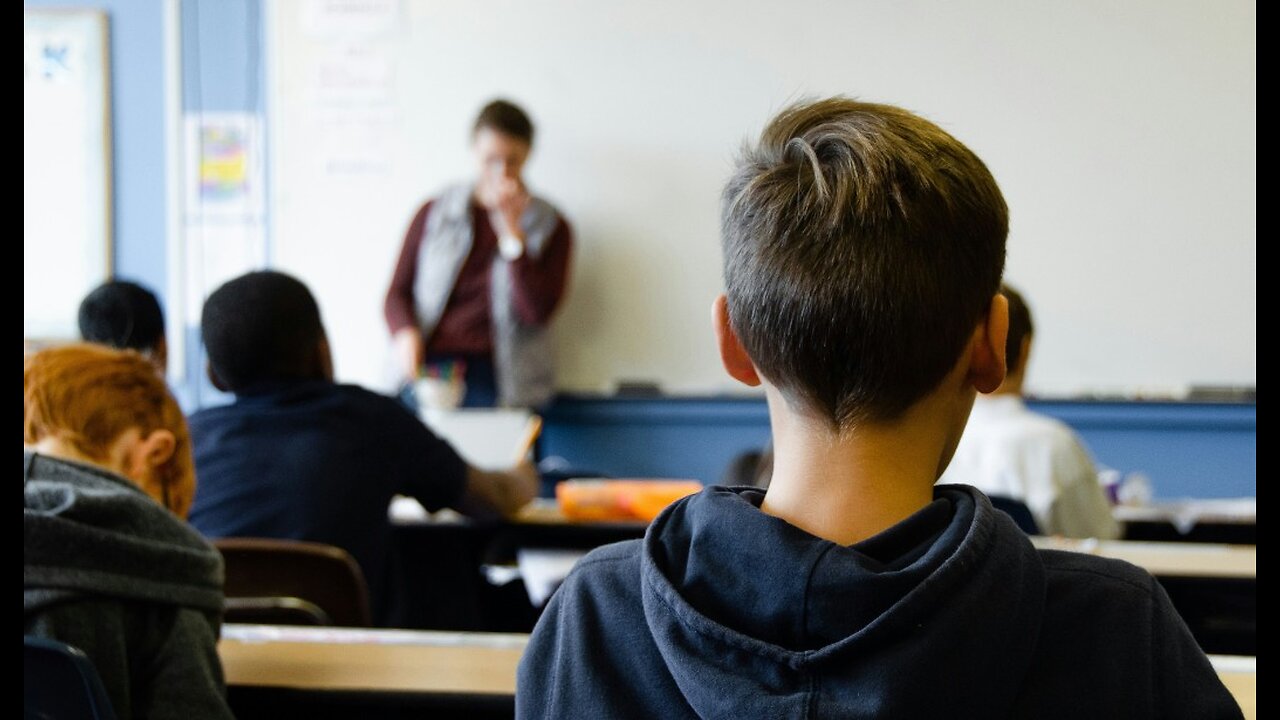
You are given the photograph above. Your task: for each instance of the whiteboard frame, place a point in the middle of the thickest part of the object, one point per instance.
(91, 27)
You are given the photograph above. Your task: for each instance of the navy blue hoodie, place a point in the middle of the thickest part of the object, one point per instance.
(723, 611)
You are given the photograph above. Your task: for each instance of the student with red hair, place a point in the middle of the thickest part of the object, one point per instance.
(109, 565)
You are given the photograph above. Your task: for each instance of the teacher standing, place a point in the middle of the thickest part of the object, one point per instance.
(481, 272)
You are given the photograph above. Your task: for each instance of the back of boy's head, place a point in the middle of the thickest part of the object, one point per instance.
(1020, 328)
(88, 396)
(862, 245)
(259, 328)
(122, 315)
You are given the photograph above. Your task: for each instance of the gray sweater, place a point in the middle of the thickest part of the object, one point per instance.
(108, 570)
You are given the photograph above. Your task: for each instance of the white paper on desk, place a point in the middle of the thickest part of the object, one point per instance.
(488, 439)
(543, 570)
(365, 636)
(407, 510)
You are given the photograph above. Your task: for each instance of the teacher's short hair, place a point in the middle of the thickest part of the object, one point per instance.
(260, 328)
(505, 117)
(862, 246)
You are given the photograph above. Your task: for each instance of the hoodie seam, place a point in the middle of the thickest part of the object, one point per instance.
(970, 556)
(732, 638)
(947, 574)
(555, 666)
(1156, 676)
(78, 466)
(588, 561)
(808, 592)
(1141, 587)
(811, 707)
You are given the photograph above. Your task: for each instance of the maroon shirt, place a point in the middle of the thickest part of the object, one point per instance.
(465, 327)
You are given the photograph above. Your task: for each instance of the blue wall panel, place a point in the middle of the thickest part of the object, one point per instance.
(1188, 450)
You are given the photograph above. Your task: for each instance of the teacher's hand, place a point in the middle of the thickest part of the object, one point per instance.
(509, 202)
(408, 349)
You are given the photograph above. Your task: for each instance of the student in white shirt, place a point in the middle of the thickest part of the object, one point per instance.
(1008, 450)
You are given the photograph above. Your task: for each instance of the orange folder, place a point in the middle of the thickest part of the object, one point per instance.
(620, 499)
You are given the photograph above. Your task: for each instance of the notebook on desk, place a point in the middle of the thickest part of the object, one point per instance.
(492, 439)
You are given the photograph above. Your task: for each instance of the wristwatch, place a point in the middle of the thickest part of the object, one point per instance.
(510, 247)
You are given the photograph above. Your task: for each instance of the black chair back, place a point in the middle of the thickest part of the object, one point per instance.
(59, 682)
(290, 582)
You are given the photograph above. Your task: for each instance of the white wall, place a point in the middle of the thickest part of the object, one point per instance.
(1123, 135)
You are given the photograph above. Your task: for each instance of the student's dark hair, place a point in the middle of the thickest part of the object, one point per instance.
(862, 245)
(507, 118)
(1020, 327)
(123, 315)
(259, 328)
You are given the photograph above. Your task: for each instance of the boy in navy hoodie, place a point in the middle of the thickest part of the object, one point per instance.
(863, 250)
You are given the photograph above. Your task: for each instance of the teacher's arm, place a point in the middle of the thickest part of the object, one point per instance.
(538, 283)
(398, 306)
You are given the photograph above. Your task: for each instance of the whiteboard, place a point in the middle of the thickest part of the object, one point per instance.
(1123, 136)
(66, 178)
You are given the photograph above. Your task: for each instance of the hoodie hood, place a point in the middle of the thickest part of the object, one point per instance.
(87, 531)
(893, 625)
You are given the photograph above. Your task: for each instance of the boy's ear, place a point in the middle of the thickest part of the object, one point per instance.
(732, 355)
(987, 361)
(157, 448)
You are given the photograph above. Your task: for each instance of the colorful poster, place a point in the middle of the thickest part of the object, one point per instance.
(224, 167)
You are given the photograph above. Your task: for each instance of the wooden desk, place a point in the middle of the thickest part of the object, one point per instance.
(539, 512)
(274, 672)
(538, 524)
(1240, 675)
(404, 664)
(1242, 511)
(1168, 559)
(382, 660)
(542, 520)
(1211, 521)
(1213, 587)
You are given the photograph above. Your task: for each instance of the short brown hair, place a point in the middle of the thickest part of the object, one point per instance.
(262, 327)
(122, 314)
(862, 244)
(90, 395)
(1020, 328)
(505, 117)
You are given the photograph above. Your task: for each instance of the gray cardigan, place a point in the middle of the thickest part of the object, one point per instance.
(108, 570)
(522, 354)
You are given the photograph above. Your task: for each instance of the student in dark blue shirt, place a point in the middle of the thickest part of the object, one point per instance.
(863, 249)
(299, 456)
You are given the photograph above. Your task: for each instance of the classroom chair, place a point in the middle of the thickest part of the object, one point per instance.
(59, 681)
(1017, 510)
(291, 582)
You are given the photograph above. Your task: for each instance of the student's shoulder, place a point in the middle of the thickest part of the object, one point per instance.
(360, 393)
(213, 414)
(620, 558)
(609, 571)
(1082, 569)
(613, 556)
(375, 404)
(1095, 606)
